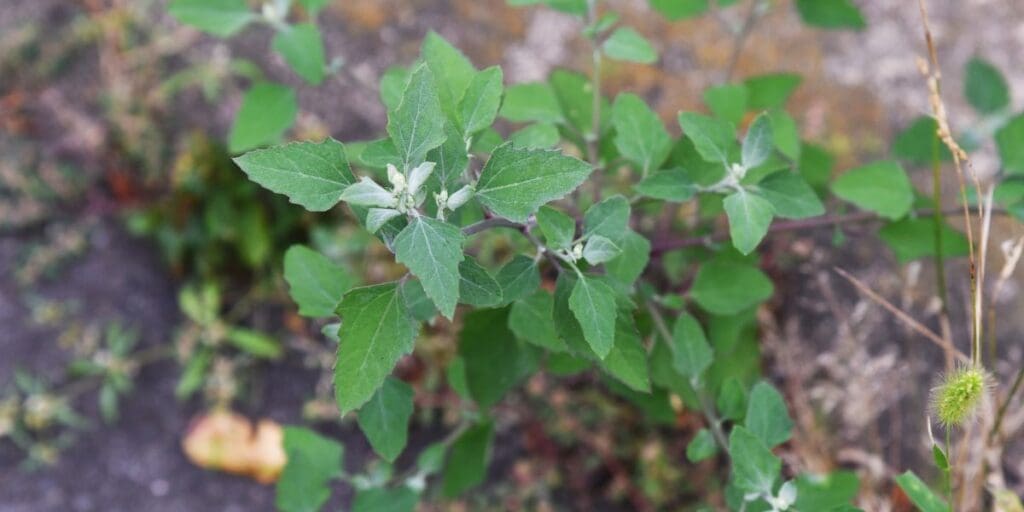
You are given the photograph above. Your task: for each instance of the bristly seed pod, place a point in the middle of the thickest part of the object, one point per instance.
(956, 400)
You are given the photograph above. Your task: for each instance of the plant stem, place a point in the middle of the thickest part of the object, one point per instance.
(740, 40)
(1006, 404)
(940, 261)
(494, 222)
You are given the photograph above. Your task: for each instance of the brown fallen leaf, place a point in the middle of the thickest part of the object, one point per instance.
(226, 441)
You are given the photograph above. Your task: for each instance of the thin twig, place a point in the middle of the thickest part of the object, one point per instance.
(905, 318)
(740, 40)
(494, 222)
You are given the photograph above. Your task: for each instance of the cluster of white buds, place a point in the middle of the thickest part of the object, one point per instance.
(275, 11)
(577, 252)
(405, 197)
(452, 202)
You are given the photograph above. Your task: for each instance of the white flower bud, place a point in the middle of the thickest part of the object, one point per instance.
(419, 175)
(577, 252)
(396, 179)
(367, 192)
(460, 197)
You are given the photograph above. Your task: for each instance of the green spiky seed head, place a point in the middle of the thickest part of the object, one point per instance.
(958, 397)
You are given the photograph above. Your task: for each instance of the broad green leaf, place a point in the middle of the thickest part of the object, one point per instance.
(255, 343)
(515, 182)
(826, 492)
(772, 90)
(790, 196)
(420, 307)
(375, 154)
(754, 467)
(417, 125)
(627, 44)
(376, 218)
(315, 283)
(725, 287)
(919, 142)
(675, 10)
(432, 249)
(468, 459)
(575, 96)
(531, 102)
(636, 252)
(314, 6)
(920, 494)
(267, 111)
(691, 354)
(985, 87)
(609, 218)
(558, 228)
(574, 7)
(486, 142)
(912, 239)
(882, 187)
(639, 134)
(221, 18)
(476, 286)
(367, 192)
(767, 416)
(384, 420)
(593, 304)
(311, 175)
(313, 461)
(451, 159)
(1011, 151)
(392, 83)
(815, 166)
(711, 137)
(303, 50)
(599, 249)
(702, 446)
(451, 71)
(750, 215)
(758, 144)
(785, 134)
(479, 105)
(627, 360)
(831, 14)
(537, 135)
(566, 325)
(518, 278)
(668, 185)
(380, 499)
(732, 399)
(728, 102)
(376, 331)
(495, 360)
(431, 459)
(532, 320)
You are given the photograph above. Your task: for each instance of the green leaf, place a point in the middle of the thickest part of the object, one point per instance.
(767, 416)
(495, 360)
(384, 420)
(314, 6)
(639, 134)
(725, 287)
(537, 135)
(315, 283)
(476, 286)
(303, 49)
(627, 44)
(1011, 151)
(627, 360)
(392, 83)
(754, 467)
(918, 142)
(451, 71)
(599, 249)
(831, 14)
(941, 461)
(826, 492)
(221, 18)
(532, 320)
(758, 144)
(531, 102)
(728, 102)
(881, 187)
(451, 158)
(558, 228)
(771, 90)
(750, 215)
(515, 182)
(432, 249)
(575, 96)
(479, 105)
(574, 7)
(912, 239)
(467, 462)
(668, 185)
(732, 399)
(785, 133)
(593, 304)
(311, 175)
(380, 499)
(985, 88)
(630, 265)
(701, 447)
(417, 125)
(711, 137)
(313, 461)
(920, 494)
(376, 331)
(609, 218)
(790, 196)
(267, 111)
(675, 10)
(815, 166)
(519, 278)
(255, 343)
(691, 354)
